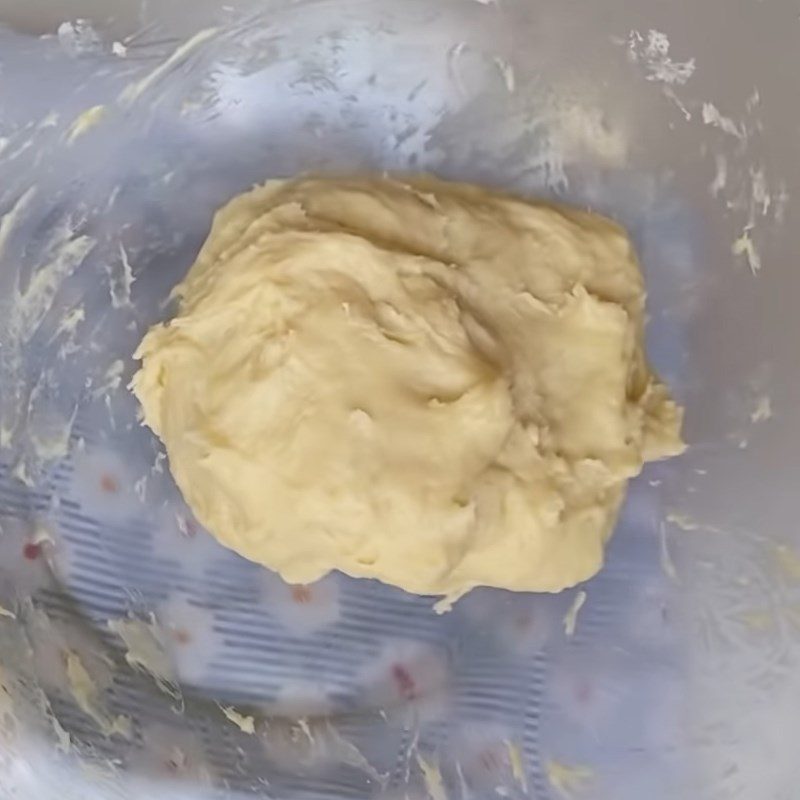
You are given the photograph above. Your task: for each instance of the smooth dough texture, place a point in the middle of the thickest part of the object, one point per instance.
(405, 379)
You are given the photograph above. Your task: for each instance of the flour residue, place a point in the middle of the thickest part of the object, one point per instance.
(26, 406)
(50, 120)
(246, 724)
(432, 775)
(788, 561)
(313, 744)
(753, 198)
(743, 631)
(146, 651)
(517, 764)
(109, 381)
(121, 285)
(651, 53)
(79, 38)
(744, 246)
(584, 132)
(50, 427)
(665, 555)
(682, 521)
(341, 750)
(67, 330)
(571, 617)
(134, 91)
(740, 181)
(23, 704)
(68, 324)
(85, 122)
(762, 411)
(720, 176)
(120, 280)
(506, 70)
(713, 117)
(89, 699)
(30, 305)
(6, 704)
(567, 779)
(10, 220)
(651, 50)
(27, 307)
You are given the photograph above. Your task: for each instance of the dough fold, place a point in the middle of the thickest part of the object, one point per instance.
(421, 382)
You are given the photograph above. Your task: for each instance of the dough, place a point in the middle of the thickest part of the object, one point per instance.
(411, 380)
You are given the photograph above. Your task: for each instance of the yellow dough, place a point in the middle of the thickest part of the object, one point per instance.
(411, 380)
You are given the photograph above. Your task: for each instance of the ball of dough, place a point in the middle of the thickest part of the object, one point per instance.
(417, 381)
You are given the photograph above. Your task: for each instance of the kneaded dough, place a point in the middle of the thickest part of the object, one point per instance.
(405, 379)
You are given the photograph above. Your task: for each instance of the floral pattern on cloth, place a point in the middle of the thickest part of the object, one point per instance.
(343, 684)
